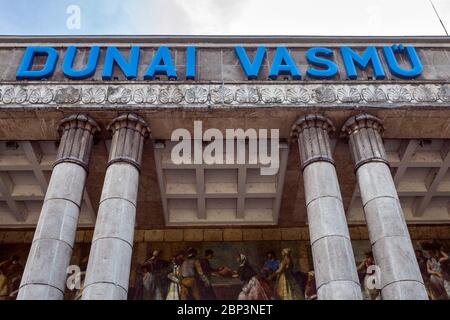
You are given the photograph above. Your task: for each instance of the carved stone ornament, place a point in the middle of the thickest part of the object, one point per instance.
(226, 94)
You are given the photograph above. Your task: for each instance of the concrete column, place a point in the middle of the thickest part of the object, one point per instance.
(334, 262)
(45, 274)
(391, 245)
(108, 270)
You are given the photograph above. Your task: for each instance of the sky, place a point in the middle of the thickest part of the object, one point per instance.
(225, 17)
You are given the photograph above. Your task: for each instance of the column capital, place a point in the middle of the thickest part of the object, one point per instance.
(77, 131)
(129, 131)
(312, 134)
(366, 145)
(311, 120)
(361, 121)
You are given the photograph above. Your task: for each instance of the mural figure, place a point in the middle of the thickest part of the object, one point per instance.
(193, 277)
(422, 262)
(286, 286)
(10, 275)
(254, 287)
(363, 267)
(445, 268)
(174, 291)
(83, 266)
(436, 257)
(272, 263)
(310, 287)
(188, 276)
(138, 291)
(206, 290)
(155, 281)
(4, 288)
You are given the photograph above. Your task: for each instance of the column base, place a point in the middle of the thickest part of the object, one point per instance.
(104, 291)
(404, 290)
(339, 290)
(35, 291)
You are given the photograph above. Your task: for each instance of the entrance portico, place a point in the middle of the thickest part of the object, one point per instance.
(110, 259)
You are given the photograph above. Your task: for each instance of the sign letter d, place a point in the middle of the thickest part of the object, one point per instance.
(25, 73)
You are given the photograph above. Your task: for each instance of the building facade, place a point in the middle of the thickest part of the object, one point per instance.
(98, 202)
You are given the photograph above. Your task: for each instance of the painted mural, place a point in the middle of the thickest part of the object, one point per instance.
(252, 270)
(191, 275)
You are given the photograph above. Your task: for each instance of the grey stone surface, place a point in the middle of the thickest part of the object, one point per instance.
(325, 219)
(404, 290)
(391, 245)
(47, 263)
(340, 290)
(121, 182)
(385, 218)
(109, 261)
(320, 180)
(111, 249)
(376, 179)
(330, 242)
(53, 241)
(333, 260)
(396, 259)
(39, 292)
(67, 182)
(58, 220)
(116, 220)
(105, 291)
(112, 244)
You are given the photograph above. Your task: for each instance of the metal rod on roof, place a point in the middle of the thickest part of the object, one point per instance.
(437, 14)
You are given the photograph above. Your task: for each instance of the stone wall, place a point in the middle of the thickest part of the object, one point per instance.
(437, 232)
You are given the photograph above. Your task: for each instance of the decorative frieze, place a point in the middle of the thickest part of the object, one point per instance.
(222, 95)
(67, 95)
(372, 94)
(227, 94)
(145, 95)
(399, 94)
(93, 95)
(297, 95)
(348, 95)
(324, 94)
(196, 95)
(247, 95)
(41, 95)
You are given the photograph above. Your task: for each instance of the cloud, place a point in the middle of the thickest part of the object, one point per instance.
(228, 17)
(286, 17)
